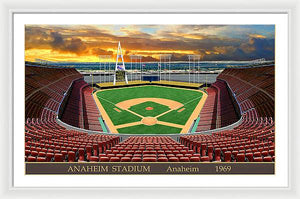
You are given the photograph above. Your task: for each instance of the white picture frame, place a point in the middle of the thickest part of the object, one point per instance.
(9, 191)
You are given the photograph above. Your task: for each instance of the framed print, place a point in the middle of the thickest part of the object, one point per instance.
(114, 99)
(151, 94)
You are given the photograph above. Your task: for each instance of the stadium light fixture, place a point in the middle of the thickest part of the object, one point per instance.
(105, 60)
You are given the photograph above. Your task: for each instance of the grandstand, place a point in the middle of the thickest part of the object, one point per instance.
(63, 123)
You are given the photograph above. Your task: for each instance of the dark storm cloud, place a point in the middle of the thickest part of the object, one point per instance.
(73, 45)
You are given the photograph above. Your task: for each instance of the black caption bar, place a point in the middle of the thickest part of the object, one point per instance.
(149, 168)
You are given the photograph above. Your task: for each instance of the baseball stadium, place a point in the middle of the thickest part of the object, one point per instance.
(158, 111)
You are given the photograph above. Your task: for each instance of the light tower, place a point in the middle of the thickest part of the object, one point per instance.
(120, 70)
(194, 64)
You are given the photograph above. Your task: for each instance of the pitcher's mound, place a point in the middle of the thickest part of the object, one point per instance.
(149, 121)
(149, 108)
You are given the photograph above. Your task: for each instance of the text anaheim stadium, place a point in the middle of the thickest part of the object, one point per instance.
(127, 169)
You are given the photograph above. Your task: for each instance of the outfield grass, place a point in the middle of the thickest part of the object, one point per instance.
(177, 94)
(157, 109)
(155, 129)
(189, 98)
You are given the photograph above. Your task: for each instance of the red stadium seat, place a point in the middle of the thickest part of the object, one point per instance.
(136, 159)
(149, 159)
(204, 159)
(58, 157)
(162, 159)
(42, 154)
(184, 159)
(240, 157)
(173, 159)
(31, 159)
(64, 154)
(88, 151)
(104, 159)
(119, 155)
(125, 159)
(257, 154)
(81, 154)
(210, 152)
(34, 153)
(258, 159)
(27, 152)
(267, 159)
(41, 159)
(71, 156)
(218, 154)
(227, 156)
(49, 157)
(249, 157)
(94, 159)
(265, 153)
(114, 159)
(194, 159)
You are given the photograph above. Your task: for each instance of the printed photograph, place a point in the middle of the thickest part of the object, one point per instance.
(149, 99)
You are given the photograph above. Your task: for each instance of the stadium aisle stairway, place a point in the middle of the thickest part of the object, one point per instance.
(218, 110)
(81, 110)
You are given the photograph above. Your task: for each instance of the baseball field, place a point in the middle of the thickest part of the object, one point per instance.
(149, 109)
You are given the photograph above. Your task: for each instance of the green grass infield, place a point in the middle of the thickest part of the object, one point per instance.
(109, 99)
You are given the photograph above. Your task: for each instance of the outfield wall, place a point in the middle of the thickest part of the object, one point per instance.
(146, 84)
(201, 78)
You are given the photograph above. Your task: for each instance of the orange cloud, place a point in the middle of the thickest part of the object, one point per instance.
(86, 42)
(257, 36)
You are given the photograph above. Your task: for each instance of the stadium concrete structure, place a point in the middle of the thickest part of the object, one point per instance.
(69, 120)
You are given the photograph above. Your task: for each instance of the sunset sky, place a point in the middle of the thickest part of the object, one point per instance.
(84, 43)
